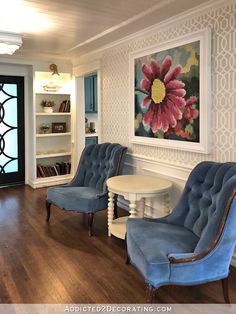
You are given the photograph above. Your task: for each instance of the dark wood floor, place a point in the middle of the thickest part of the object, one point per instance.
(59, 263)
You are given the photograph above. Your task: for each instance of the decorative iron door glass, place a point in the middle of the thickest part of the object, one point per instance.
(11, 129)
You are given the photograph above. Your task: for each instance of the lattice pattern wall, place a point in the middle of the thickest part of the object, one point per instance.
(115, 87)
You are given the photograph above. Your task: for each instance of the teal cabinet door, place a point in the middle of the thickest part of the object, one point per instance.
(87, 94)
(95, 93)
(91, 140)
(90, 91)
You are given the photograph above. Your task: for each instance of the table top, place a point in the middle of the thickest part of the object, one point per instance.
(138, 184)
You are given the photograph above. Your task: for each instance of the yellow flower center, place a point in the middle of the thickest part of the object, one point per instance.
(158, 91)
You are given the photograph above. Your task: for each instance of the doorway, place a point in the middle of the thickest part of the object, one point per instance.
(12, 138)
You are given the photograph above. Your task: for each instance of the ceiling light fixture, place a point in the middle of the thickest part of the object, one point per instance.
(9, 43)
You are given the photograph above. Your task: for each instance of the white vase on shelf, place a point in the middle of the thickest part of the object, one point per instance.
(48, 109)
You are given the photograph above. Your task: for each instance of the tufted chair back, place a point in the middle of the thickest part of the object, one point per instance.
(99, 162)
(202, 204)
(195, 243)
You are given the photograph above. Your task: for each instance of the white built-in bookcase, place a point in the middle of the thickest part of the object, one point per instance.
(52, 149)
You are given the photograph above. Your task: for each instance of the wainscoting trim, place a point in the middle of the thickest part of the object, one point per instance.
(144, 164)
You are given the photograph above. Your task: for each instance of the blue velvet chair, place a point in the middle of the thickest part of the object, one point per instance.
(87, 192)
(195, 243)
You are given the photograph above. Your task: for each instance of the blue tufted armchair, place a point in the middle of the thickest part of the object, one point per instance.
(87, 192)
(195, 243)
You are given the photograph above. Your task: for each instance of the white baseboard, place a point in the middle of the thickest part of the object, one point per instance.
(49, 181)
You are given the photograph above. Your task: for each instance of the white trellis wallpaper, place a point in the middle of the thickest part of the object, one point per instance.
(115, 87)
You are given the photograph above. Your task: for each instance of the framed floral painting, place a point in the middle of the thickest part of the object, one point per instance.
(170, 94)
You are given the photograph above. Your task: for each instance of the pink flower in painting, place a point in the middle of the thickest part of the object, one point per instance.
(190, 111)
(165, 94)
(180, 131)
(184, 127)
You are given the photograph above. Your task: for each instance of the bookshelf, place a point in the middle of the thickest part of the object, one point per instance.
(52, 140)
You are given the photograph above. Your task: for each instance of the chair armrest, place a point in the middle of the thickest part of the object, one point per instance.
(102, 194)
(182, 257)
(198, 256)
(71, 184)
(64, 185)
(163, 219)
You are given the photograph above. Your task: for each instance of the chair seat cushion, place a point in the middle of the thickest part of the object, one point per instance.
(149, 244)
(77, 198)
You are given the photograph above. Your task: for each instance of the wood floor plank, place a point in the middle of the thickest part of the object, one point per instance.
(57, 262)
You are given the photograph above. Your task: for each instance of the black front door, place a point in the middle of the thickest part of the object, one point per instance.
(12, 138)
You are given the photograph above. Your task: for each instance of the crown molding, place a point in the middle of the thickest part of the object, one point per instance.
(179, 18)
(125, 23)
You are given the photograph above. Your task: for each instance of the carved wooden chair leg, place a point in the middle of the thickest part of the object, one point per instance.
(150, 293)
(48, 207)
(90, 223)
(225, 288)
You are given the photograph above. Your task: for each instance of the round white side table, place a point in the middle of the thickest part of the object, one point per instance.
(133, 188)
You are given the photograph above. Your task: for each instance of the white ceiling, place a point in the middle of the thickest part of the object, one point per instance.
(65, 28)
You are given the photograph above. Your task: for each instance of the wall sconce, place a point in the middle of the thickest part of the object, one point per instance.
(52, 85)
(53, 68)
(9, 43)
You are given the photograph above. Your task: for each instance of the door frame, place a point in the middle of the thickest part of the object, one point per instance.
(25, 70)
(18, 176)
(79, 72)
